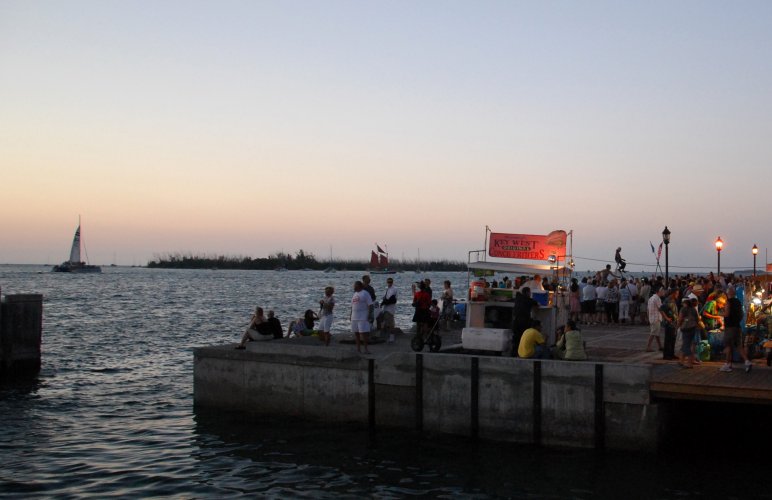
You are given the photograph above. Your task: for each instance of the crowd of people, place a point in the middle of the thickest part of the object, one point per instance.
(685, 309)
(366, 314)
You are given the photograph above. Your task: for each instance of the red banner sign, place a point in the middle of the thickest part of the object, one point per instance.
(528, 246)
(769, 268)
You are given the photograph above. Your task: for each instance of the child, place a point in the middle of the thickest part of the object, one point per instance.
(434, 312)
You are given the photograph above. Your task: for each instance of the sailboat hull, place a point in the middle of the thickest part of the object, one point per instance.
(76, 267)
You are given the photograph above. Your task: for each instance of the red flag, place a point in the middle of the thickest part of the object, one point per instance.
(659, 252)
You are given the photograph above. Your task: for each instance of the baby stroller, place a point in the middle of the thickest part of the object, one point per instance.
(430, 338)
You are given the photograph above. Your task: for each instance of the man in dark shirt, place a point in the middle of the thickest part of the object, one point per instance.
(733, 315)
(369, 289)
(524, 306)
(274, 326)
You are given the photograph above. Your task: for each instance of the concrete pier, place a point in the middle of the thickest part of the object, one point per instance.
(557, 403)
(21, 331)
(626, 397)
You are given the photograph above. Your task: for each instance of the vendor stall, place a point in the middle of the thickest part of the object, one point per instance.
(490, 311)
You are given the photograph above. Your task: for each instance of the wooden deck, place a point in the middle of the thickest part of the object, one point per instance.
(627, 344)
(706, 383)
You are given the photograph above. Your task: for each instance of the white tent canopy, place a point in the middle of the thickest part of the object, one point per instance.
(515, 268)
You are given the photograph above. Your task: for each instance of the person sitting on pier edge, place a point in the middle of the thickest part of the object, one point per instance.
(273, 326)
(570, 346)
(303, 326)
(257, 329)
(532, 343)
(523, 308)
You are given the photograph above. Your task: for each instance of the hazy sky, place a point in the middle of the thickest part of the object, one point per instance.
(246, 128)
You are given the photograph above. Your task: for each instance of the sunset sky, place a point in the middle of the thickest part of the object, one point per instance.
(251, 127)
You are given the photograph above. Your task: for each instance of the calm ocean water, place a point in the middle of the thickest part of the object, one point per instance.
(112, 410)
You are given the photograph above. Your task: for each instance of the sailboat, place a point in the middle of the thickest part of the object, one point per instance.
(379, 262)
(75, 265)
(330, 269)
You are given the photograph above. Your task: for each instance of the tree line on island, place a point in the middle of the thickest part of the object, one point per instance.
(302, 260)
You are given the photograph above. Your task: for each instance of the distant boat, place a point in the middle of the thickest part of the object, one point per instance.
(379, 262)
(75, 265)
(330, 269)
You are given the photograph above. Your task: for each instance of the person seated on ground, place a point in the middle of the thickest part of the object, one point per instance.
(532, 343)
(571, 345)
(303, 327)
(253, 331)
(273, 326)
(621, 263)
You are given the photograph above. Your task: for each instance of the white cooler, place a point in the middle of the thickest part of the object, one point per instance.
(487, 339)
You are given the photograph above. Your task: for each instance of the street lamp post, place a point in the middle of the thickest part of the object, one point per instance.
(719, 247)
(755, 251)
(666, 240)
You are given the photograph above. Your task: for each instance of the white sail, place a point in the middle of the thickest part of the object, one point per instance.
(76, 264)
(75, 251)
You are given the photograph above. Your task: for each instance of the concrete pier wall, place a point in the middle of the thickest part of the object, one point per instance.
(21, 332)
(555, 403)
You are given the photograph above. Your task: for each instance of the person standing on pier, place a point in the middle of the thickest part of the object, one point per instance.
(447, 304)
(733, 315)
(656, 316)
(360, 325)
(389, 308)
(369, 289)
(688, 321)
(612, 303)
(326, 305)
(670, 311)
(524, 307)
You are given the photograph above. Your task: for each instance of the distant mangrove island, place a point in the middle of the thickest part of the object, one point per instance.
(302, 260)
